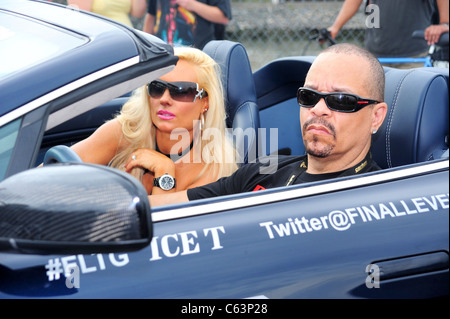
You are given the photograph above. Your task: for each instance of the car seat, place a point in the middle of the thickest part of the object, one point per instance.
(280, 79)
(416, 126)
(276, 88)
(240, 95)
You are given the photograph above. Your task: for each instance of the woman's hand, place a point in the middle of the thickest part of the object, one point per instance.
(151, 160)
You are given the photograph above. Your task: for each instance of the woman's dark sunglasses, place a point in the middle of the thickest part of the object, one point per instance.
(179, 91)
(340, 102)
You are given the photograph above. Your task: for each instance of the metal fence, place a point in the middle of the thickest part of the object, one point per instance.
(270, 29)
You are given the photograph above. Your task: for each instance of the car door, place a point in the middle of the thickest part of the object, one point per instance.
(382, 235)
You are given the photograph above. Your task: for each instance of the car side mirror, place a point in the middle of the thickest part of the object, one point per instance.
(73, 208)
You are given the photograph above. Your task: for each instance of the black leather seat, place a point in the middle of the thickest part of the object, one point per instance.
(276, 88)
(240, 95)
(280, 79)
(416, 127)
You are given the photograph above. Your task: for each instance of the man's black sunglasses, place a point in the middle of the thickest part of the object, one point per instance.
(340, 102)
(179, 91)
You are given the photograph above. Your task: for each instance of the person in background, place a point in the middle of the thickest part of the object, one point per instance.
(341, 107)
(162, 135)
(119, 10)
(186, 22)
(398, 20)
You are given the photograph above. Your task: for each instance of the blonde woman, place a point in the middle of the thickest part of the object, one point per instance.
(171, 134)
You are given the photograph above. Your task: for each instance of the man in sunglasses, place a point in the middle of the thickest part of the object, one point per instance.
(341, 107)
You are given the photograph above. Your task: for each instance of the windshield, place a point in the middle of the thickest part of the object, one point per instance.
(8, 136)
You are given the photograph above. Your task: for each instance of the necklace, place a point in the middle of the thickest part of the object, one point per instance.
(176, 157)
(350, 171)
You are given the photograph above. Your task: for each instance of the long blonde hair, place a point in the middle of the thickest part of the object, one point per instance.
(139, 131)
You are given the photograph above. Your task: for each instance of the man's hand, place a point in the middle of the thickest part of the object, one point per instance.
(434, 32)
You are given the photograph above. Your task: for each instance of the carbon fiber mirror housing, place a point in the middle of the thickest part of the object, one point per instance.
(73, 208)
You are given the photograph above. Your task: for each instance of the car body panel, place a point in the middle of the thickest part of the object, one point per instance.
(256, 249)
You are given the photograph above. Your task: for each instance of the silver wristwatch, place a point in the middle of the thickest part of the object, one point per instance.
(165, 182)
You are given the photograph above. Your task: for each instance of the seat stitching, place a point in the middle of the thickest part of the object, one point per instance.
(390, 119)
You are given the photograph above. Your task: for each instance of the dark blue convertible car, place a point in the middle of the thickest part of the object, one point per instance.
(77, 230)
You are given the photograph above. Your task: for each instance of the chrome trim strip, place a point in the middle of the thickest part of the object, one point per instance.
(295, 193)
(24, 109)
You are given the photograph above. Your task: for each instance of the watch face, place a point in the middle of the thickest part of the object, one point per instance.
(166, 182)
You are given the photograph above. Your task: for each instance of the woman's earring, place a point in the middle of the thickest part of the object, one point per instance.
(202, 118)
(374, 131)
(202, 121)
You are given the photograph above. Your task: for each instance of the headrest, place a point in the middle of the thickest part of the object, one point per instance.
(237, 76)
(416, 126)
(280, 79)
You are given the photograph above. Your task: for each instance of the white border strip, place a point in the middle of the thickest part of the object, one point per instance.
(287, 194)
(67, 89)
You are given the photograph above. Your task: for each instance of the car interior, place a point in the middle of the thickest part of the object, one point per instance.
(416, 128)
(240, 95)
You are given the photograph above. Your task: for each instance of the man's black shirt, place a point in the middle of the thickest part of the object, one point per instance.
(290, 170)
